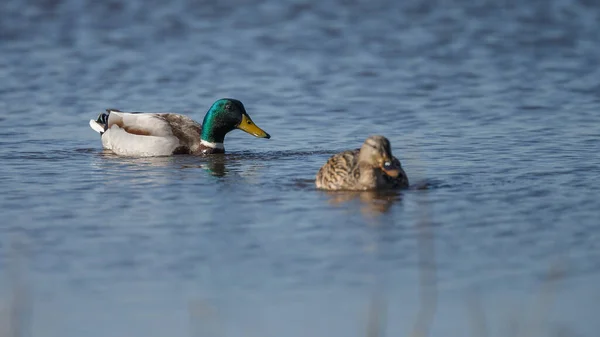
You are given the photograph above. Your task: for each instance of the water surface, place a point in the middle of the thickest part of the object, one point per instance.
(492, 109)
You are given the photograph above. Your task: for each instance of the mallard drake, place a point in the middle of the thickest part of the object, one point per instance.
(164, 134)
(372, 167)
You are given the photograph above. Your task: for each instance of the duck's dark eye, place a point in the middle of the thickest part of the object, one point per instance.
(228, 106)
(387, 165)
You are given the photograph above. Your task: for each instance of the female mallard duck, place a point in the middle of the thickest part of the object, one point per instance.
(372, 167)
(164, 134)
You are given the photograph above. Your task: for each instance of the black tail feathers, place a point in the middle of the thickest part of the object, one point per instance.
(103, 118)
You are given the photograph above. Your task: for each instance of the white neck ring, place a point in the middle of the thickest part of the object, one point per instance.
(212, 145)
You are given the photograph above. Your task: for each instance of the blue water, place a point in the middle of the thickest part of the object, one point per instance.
(493, 110)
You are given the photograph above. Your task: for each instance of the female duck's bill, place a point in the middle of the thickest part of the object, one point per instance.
(390, 168)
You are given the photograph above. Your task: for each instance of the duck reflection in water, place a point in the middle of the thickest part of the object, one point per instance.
(216, 166)
(373, 203)
(223, 165)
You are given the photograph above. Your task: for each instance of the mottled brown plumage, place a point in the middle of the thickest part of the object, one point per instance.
(372, 167)
(188, 132)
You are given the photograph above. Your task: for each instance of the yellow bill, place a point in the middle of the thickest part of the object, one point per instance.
(248, 125)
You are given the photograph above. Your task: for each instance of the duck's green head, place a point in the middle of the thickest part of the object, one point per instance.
(226, 115)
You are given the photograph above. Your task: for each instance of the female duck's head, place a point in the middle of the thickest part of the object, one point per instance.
(226, 115)
(376, 152)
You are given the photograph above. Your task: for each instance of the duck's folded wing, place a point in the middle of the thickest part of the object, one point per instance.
(142, 124)
(338, 170)
(139, 134)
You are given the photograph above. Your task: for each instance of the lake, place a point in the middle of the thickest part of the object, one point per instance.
(493, 108)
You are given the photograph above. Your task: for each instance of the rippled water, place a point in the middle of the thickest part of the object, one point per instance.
(493, 109)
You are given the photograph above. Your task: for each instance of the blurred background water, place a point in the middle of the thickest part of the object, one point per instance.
(492, 106)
